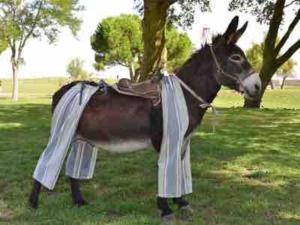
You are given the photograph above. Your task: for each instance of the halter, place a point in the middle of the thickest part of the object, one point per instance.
(221, 71)
(204, 104)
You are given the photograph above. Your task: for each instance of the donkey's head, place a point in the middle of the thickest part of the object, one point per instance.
(233, 68)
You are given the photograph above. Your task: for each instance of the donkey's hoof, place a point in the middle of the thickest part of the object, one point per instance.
(169, 219)
(80, 203)
(33, 203)
(186, 212)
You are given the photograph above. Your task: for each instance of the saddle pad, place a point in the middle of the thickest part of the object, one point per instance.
(153, 95)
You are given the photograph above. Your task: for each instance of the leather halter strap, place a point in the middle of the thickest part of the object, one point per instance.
(221, 71)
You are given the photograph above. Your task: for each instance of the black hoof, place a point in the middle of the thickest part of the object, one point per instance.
(80, 202)
(169, 219)
(33, 202)
(180, 202)
(186, 213)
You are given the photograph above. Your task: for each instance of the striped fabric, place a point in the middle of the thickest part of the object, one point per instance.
(64, 124)
(81, 160)
(174, 169)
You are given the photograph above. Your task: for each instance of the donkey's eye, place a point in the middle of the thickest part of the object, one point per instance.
(236, 58)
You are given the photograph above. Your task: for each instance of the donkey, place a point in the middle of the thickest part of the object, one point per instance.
(121, 123)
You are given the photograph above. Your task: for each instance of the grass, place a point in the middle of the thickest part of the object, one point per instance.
(245, 171)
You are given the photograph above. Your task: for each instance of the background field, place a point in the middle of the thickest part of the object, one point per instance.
(245, 163)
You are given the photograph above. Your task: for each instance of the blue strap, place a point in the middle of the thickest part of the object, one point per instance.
(103, 86)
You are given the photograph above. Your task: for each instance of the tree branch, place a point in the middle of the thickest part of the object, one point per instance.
(291, 3)
(34, 23)
(274, 25)
(121, 63)
(171, 2)
(289, 53)
(288, 32)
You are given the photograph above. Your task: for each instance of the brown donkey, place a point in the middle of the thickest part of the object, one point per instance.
(122, 123)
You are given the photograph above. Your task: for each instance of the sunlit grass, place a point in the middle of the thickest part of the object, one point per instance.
(245, 164)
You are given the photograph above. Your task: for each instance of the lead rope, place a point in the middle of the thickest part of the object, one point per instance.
(204, 104)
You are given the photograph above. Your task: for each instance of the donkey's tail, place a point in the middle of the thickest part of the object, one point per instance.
(58, 94)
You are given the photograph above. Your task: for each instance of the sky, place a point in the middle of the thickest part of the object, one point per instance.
(44, 60)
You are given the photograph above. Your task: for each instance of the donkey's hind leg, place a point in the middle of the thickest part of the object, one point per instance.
(180, 202)
(76, 194)
(185, 210)
(34, 196)
(163, 205)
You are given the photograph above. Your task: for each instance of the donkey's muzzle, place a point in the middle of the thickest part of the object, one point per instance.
(252, 86)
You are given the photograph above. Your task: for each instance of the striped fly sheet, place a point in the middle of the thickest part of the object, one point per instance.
(64, 124)
(174, 170)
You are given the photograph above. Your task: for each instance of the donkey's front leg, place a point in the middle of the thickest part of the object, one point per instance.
(76, 194)
(34, 195)
(166, 211)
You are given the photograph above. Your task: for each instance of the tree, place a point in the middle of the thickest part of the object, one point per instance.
(179, 48)
(3, 44)
(3, 41)
(157, 13)
(255, 57)
(286, 70)
(22, 20)
(75, 69)
(272, 13)
(118, 40)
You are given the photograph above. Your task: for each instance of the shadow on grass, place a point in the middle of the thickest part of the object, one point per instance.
(247, 172)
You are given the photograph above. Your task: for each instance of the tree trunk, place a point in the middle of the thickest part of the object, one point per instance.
(15, 91)
(256, 103)
(283, 82)
(154, 24)
(131, 71)
(266, 74)
(271, 84)
(269, 65)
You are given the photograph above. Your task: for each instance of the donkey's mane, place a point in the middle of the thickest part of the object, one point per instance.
(199, 55)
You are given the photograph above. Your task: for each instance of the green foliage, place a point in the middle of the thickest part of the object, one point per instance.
(22, 20)
(3, 45)
(287, 68)
(75, 69)
(34, 19)
(273, 13)
(3, 40)
(255, 57)
(262, 10)
(179, 48)
(118, 40)
(180, 12)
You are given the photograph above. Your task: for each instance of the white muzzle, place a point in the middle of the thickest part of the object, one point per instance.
(252, 86)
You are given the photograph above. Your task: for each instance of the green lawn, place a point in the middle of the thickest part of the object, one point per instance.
(246, 170)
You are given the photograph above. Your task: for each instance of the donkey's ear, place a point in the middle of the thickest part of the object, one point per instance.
(231, 29)
(233, 38)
